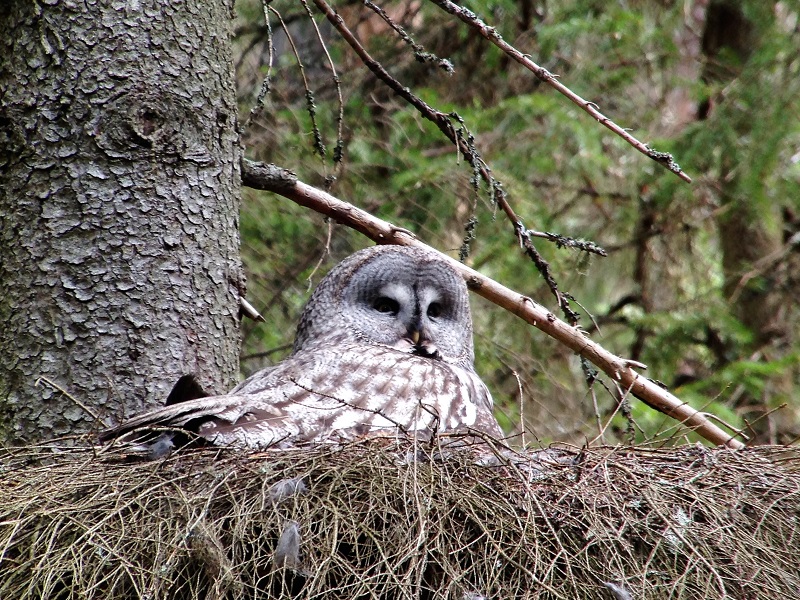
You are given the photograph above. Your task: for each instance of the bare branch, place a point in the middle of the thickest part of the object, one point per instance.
(285, 183)
(419, 52)
(339, 149)
(490, 33)
(311, 106)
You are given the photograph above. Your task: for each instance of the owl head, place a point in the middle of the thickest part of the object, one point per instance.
(398, 296)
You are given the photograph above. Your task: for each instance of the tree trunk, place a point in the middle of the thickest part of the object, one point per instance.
(119, 247)
(746, 236)
(750, 227)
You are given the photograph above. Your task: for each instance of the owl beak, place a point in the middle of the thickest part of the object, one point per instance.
(421, 344)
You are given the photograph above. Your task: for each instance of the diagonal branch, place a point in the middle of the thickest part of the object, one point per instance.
(285, 183)
(490, 33)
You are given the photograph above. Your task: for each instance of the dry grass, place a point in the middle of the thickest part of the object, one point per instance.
(378, 519)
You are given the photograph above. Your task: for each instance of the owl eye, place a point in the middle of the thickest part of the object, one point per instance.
(434, 310)
(386, 305)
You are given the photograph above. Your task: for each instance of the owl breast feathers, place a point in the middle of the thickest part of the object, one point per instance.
(384, 345)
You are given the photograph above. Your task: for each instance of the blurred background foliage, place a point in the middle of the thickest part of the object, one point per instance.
(701, 282)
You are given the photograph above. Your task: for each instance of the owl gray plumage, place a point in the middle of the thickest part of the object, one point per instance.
(383, 344)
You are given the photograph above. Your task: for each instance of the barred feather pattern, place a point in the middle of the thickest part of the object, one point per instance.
(337, 394)
(384, 346)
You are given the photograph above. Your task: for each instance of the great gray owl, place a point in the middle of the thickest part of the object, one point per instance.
(384, 344)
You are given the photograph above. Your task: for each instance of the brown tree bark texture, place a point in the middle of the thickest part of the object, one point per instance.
(119, 203)
(750, 230)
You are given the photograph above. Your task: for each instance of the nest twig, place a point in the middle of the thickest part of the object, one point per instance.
(392, 519)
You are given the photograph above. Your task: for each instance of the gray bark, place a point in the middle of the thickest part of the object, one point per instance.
(119, 198)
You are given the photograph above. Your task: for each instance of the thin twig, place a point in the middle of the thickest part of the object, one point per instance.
(521, 407)
(311, 107)
(419, 51)
(266, 84)
(338, 150)
(326, 253)
(285, 183)
(490, 33)
(66, 394)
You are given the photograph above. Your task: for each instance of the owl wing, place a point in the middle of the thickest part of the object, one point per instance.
(334, 392)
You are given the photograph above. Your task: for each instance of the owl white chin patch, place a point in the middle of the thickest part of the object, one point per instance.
(404, 345)
(408, 346)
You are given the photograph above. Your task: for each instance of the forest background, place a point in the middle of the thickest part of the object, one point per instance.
(120, 220)
(701, 280)
(120, 271)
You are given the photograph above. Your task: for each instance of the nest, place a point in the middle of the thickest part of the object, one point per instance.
(389, 519)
